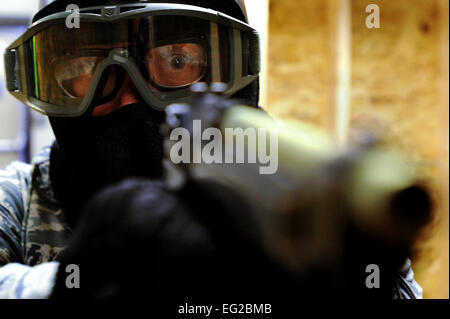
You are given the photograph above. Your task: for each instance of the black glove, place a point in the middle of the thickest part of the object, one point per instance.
(138, 240)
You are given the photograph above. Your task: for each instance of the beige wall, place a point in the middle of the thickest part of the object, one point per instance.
(397, 76)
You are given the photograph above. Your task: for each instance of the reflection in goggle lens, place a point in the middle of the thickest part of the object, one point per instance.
(176, 65)
(169, 66)
(74, 76)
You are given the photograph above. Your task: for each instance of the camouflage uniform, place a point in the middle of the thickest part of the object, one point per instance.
(33, 231)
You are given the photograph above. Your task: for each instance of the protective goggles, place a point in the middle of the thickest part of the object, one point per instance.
(63, 71)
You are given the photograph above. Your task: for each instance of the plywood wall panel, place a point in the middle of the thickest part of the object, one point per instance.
(299, 60)
(397, 76)
(396, 79)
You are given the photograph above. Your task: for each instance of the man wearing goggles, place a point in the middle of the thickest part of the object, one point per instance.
(104, 87)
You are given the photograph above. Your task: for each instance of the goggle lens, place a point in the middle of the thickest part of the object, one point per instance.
(176, 65)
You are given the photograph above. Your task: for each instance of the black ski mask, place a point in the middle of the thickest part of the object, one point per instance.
(90, 153)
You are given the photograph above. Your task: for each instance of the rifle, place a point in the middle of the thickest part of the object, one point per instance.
(336, 212)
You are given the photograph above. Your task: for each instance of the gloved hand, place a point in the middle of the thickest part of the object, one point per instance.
(138, 240)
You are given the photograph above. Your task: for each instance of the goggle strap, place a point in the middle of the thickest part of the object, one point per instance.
(255, 53)
(12, 70)
(215, 56)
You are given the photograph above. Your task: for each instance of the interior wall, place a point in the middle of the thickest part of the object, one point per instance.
(397, 74)
(13, 22)
(299, 60)
(258, 15)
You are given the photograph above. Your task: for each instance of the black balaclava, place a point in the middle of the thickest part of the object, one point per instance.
(92, 152)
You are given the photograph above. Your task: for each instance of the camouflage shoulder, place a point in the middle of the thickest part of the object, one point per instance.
(46, 228)
(15, 180)
(406, 286)
(41, 175)
(18, 182)
(15, 172)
